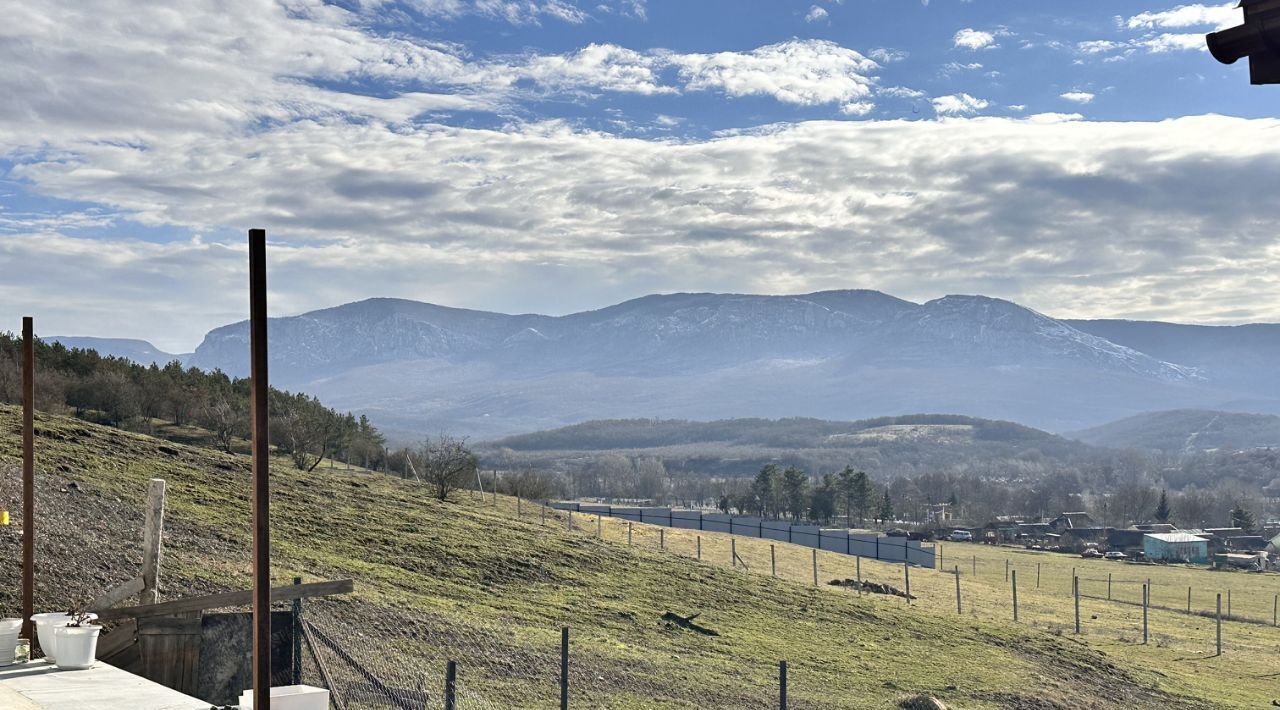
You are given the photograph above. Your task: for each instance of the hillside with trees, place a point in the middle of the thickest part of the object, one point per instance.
(184, 404)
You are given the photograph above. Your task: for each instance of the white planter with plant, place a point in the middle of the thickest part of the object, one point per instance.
(45, 625)
(77, 642)
(9, 630)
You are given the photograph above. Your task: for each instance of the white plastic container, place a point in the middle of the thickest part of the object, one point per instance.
(45, 624)
(9, 630)
(77, 646)
(291, 697)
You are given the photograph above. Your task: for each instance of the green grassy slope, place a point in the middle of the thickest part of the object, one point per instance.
(469, 581)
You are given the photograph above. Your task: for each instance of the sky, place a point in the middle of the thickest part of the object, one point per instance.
(1086, 159)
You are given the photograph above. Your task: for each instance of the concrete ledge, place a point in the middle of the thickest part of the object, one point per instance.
(41, 686)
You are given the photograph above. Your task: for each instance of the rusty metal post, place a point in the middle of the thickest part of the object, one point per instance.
(261, 470)
(28, 478)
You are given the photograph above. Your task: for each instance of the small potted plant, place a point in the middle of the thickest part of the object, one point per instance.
(76, 643)
(9, 630)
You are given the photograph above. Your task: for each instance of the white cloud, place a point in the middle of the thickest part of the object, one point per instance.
(885, 55)
(970, 38)
(1171, 42)
(1102, 218)
(236, 116)
(596, 66)
(959, 105)
(816, 14)
(804, 72)
(1188, 16)
(1079, 97)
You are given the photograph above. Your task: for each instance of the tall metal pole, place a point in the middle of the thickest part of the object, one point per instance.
(261, 470)
(28, 477)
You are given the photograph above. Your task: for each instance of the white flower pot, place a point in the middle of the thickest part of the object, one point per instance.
(45, 624)
(77, 646)
(9, 630)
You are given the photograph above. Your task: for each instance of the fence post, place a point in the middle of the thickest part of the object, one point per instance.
(1075, 588)
(1006, 569)
(1146, 597)
(662, 538)
(906, 573)
(733, 552)
(1188, 598)
(782, 685)
(297, 637)
(1228, 604)
(959, 610)
(599, 532)
(451, 686)
(699, 548)
(628, 533)
(773, 562)
(544, 515)
(858, 563)
(815, 566)
(1015, 596)
(1108, 586)
(570, 521)
(938, 563)
(1275, 607)
(1219, 619)
(975, 565)
(564, 668)
(1037, 575)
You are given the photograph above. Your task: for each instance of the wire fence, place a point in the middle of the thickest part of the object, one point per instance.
(390, 657)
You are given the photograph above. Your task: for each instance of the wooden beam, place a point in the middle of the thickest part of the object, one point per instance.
(228, 599)
(152, 543)
(117, 594)
(28, 477)
(261, 469)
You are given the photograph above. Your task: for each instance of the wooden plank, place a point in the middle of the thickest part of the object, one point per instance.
(111, 643)
(152, 541)
(171, 650)
(228, 599)
(119, 593)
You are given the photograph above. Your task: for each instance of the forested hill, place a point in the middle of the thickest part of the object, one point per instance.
(897, 445)
(194, 406)
(791, 432)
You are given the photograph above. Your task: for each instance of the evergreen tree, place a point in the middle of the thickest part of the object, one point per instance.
(1163, 513)
(885, 513)
(1243, 519)
(822, 502)
(795, 491)
(862, 495)
(765, 490)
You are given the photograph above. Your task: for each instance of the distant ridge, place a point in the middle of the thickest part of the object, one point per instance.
(1186, 431)
(418, 367)
(139, 351)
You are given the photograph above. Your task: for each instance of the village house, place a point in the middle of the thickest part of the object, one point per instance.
(1175, 547)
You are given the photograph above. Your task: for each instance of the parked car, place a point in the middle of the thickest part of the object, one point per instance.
(1115, 555)
(1091, 553)
(961, 536)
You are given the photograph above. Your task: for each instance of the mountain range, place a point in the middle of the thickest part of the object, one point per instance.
(418, 368)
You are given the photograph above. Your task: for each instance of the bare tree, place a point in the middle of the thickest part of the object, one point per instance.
(445, 463)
